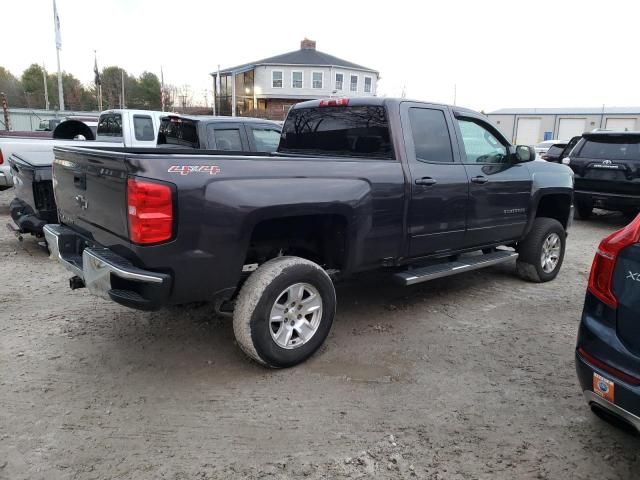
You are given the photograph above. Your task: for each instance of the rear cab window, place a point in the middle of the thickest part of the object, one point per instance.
(110, 125)
(179, 132)
(610, 147)
(349, 131)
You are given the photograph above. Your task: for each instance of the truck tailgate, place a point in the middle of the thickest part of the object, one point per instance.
(91, 190)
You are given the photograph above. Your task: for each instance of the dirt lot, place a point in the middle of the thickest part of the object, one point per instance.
(466, 377)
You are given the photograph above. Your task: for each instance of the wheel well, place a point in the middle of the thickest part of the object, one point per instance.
(556, 206)
(319, 238)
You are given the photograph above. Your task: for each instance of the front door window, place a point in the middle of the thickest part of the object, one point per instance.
(480, 145)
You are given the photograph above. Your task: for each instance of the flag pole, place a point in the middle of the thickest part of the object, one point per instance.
(97, 79)
(56, 22)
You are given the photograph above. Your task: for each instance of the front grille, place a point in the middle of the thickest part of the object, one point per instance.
(43, 195)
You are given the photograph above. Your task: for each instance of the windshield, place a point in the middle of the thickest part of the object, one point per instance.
(360, 131)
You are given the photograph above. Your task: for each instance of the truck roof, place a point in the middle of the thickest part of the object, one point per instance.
(381, 101)
(213, 118)
(131, 110)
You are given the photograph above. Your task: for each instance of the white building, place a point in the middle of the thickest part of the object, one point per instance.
(529, 126)
(268, 87)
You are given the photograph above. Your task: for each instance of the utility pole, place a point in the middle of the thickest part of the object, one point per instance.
(455, 93)
(218, 92)
(5, 111)
(56, 22)
(46, 88)
(122, 102)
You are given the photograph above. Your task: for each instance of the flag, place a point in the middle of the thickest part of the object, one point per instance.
(96, 72)
(56, 21)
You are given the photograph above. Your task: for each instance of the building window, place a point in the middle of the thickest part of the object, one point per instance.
(276, 79)
(317, 79)
(339, 80)
(296, 79)
(367, 84)
(354, 83)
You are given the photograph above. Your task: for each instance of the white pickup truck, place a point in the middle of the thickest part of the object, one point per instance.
(124, 128)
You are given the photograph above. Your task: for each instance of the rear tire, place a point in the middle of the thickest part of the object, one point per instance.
(542, 251)
(583, 210)
(284, 312)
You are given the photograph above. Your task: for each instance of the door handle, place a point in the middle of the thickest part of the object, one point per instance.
(480, 179)
(426, 181)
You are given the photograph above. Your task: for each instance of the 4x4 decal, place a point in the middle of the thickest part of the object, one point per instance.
(187, 169)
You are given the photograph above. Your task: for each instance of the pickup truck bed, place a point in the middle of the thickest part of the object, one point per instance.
(34, 204)
(423, 190)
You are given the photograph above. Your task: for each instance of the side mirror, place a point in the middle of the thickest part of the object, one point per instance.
(525, 153)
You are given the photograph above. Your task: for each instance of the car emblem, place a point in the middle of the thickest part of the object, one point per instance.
(607, 162)
(604, 388)
(80, 200)
(633, 276)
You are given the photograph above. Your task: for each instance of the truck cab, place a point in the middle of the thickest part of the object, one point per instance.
(130, 128)
(226, 134)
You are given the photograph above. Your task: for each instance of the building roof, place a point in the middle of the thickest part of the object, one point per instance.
(304, 56)
(568, 111)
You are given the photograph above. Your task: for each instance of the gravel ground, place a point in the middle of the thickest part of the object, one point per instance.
(461, 378)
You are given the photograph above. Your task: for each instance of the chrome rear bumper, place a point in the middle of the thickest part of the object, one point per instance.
(104, 273)
(615, 409)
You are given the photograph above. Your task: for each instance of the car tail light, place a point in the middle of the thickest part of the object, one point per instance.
(1, 157)
(625, 377)
(335, 102)
(604, 263)
(150, 211)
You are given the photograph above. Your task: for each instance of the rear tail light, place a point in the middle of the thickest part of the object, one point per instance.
(335, 102)
(150, 211)
(1, 157)
(625, 377)
(604, 263)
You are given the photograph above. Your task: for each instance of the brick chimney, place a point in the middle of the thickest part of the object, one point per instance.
(307, 44)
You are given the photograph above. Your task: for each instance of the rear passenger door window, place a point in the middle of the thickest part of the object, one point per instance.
(228, 137)
(431, 139)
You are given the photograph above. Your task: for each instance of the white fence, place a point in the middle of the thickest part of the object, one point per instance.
(27, 119)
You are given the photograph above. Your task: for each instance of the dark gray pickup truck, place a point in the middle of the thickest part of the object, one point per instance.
(419, 189)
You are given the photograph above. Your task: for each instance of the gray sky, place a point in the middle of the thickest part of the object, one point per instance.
(533, 53)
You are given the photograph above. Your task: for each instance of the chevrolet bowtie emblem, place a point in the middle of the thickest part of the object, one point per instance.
(82, 202)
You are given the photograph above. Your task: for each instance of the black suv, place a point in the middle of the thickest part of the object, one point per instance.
(607, 172)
